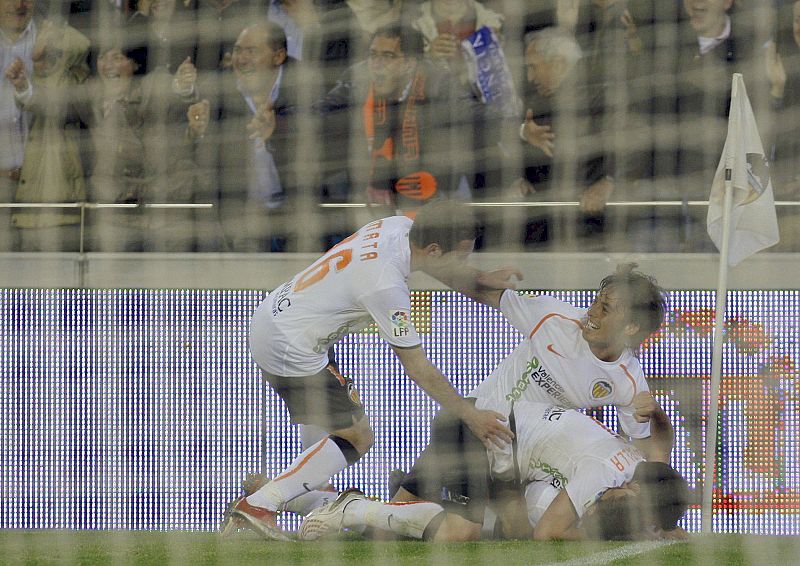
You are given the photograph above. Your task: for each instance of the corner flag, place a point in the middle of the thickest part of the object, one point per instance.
(753, 223)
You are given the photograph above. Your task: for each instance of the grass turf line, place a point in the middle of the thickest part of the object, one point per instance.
(160, 548)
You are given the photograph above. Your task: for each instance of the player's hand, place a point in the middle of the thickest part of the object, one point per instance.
(499, 278)
(645, 407)
(16, 75)
(488, 427)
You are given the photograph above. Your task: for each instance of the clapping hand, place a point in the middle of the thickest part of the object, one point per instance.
(776, 72)
(262, 126)
(185, 78)
(16, 75)
(198, 115)
(444, 46)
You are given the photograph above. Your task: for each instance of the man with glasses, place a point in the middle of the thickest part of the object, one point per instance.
(415, 122)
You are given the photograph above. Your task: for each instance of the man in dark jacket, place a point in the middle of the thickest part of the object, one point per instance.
(253, 144)
(411, 126)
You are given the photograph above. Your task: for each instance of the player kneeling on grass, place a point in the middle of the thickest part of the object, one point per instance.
(595, 472)
(360, 281)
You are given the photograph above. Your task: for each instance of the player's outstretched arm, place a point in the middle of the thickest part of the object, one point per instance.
(658, 447)
(483, 286)
(486, 425)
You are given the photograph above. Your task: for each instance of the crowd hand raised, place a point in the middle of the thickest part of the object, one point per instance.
(776, 72)
(489, 428)
(198, 115)
(16, 75)
(499, 278)
(262, 126)
(631, 33)
(185, 78)
(538, 136)
(444, 46)
(595, 197)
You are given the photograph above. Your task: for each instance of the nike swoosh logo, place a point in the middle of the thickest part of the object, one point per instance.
(305, 486)
(551, 349)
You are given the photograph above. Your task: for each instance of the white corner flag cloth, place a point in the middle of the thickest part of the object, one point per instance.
(753, 223)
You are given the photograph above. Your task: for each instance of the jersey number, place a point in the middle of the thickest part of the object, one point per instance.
(339, 260)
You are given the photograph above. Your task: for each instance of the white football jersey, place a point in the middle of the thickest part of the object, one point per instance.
(567, 450)
(360, 280)
(553, 364)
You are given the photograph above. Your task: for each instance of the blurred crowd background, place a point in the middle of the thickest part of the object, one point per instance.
(288, 116)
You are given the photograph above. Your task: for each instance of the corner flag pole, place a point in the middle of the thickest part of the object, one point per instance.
(716, 360)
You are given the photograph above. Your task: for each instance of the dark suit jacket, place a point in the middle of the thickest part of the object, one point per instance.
(445, 122)
(226, 153)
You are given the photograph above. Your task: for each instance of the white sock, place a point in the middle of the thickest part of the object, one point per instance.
(311, 469)
(409, 518)
(307, 502)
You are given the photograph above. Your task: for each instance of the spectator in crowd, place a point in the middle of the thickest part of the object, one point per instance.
(51, 168)
(783, 72)
(138, 150)
(374, 14)
(251, 146)
(118, 108)
(444, 24)
(17, 38)
(324, 35)
(608, 34)
(689, 117)
(411, 123)
(166, 27)
(561, 141)
(218, 23)
(319, 32)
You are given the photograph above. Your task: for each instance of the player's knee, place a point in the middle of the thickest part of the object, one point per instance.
(355, 441)
(362, 437)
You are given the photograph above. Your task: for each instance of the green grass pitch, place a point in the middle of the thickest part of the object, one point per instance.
(162, 548)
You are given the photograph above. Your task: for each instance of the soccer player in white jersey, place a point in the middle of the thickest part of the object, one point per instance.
(579, 358)
(361, 280)
(594, 472)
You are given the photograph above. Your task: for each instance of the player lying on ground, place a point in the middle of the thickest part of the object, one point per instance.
(361, 280)
(596, 472)
(600, 521)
